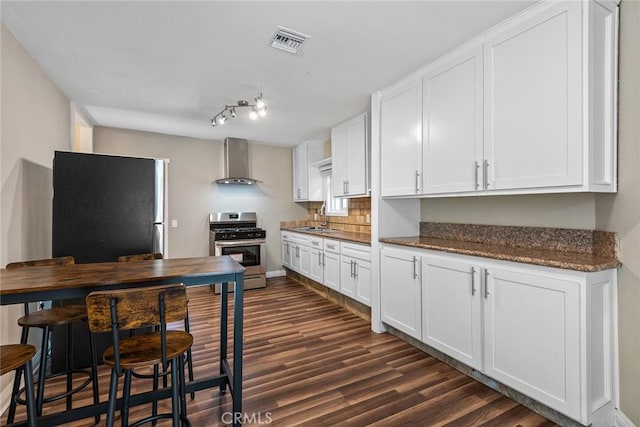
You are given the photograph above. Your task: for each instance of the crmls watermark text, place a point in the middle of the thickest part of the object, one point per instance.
(245, 418)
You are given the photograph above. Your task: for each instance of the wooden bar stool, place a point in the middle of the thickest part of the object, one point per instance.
(151, 256)
(47, 320)
(17, 357)
(122, 310)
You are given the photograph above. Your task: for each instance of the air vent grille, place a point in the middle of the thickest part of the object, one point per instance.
(288, 40)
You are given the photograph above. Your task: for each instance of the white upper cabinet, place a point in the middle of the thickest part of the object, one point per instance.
(533, 101)
(307, 182)
(528, 107)
(350, 157)
(452, 124)
(401, 139)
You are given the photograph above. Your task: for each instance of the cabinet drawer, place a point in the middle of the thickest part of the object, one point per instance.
(316, 242)
(332, 246)
(301, 239)
(352, 250)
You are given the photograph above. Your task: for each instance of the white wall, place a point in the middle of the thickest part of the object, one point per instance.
(35, 122)
(539, 210)
(194, 165)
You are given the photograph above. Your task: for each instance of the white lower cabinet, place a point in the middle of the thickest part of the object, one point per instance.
(545, 332)
(342, 266)
(452, 309)
(316, 270)
(332, 264)
(355, 280)
(532, 336)
(400, 290)
(286, 251)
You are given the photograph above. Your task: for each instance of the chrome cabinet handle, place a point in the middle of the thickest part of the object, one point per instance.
(355, 269)
(347, 184)
(351, 262)
(417, 181)
(486, 173)
(324, 259)
(415, 272)
(319, 258)
(473, 281)
(486, 284)
(476, 168)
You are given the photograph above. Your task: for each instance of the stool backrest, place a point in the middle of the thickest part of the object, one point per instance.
(63, 260)
(136, 308)
(140, 257)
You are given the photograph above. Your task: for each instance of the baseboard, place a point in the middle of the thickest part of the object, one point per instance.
(276, 273)
(622, 420)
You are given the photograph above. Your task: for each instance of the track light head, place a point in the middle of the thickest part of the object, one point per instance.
(259, 109)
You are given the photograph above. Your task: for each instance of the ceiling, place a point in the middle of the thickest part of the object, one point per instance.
(169, 67)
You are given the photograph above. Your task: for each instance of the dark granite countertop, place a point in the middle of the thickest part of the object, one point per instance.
(588, 262)
(349, 236)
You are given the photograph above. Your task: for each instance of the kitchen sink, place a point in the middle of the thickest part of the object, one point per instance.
(318, 229)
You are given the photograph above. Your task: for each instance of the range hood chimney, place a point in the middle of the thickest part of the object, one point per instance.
(236, 163)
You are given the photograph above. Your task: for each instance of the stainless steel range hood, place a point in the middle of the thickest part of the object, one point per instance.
(236, 163)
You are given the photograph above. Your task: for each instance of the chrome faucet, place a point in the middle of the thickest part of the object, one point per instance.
(323, 213)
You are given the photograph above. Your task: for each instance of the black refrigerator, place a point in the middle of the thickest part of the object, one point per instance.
(106, 206)
(103, 206)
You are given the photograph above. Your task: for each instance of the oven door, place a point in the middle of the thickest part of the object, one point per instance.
(249, 253)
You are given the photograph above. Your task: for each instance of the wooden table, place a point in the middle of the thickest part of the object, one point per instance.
(73, 281)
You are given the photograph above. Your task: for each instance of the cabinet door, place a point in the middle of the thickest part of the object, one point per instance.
(363, 282)
(532, 336)
(533, 100)
(316, 271)
(305, 260)
(357, 156)
(401, 140)
(451, 309)
(400, 290)
(339, 159)
(332, 270)
(347, 277)
(295, 257)
(286, 254)
(300, 177)
(452, 124)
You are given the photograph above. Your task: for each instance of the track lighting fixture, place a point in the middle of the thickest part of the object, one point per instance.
(259, 109)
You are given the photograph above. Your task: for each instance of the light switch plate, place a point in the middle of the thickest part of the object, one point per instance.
(174, 223)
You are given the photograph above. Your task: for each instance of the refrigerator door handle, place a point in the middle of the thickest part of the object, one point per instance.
(158, 238)
(158, 208)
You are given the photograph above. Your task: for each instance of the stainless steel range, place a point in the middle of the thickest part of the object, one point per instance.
(236, 234)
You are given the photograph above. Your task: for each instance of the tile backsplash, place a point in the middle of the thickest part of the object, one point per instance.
(358, 220)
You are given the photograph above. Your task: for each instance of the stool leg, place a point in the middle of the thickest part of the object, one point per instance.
(113, 388)
(28, 389)
(126, 393)
(189, 356)
(94, 372)
(16, 381)
(175, 412)
(183, 399)
(43, 368)
(154, 410)
(69, 364)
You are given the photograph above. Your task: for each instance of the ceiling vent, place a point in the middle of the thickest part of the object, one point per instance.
(288, 40)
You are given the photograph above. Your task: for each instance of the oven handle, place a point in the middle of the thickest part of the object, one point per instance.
(222, 243)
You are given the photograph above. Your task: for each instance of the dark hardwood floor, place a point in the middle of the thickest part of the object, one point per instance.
(310, 362)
